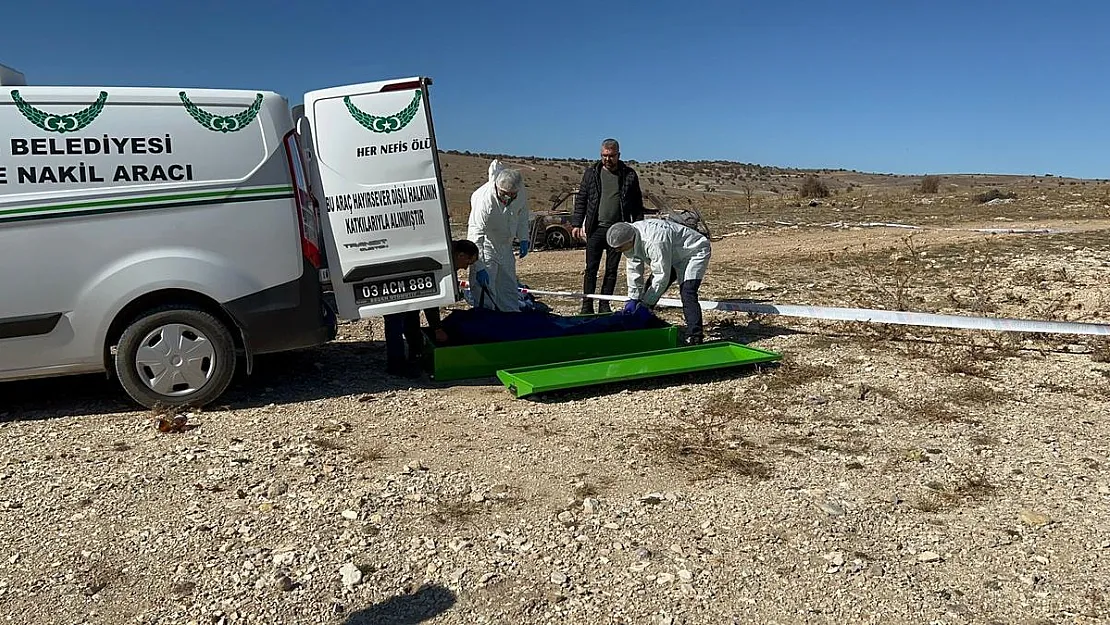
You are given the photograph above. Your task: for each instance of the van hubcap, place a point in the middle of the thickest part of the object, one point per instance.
(175, 359)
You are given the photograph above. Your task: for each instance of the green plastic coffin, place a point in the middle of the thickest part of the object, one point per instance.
(486, 359)
(524, 381)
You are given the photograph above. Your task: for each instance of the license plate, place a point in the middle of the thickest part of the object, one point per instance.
(395, 289)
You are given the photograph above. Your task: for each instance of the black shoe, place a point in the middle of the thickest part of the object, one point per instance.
(693, 340)
(603, 308)
(586, 309)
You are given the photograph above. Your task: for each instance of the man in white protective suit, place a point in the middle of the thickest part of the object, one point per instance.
(675, 253)
(498, 213)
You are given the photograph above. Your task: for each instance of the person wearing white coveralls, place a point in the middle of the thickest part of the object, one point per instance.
(674, 253)
(498, 213)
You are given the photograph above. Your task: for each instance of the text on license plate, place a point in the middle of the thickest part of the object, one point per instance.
(394, 289)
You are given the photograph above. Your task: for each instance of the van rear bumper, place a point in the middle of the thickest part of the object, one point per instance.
(289, 316)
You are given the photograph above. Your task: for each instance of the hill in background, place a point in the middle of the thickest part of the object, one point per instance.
(728, 191)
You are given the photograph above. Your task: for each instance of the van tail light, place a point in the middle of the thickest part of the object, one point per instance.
(308, 214)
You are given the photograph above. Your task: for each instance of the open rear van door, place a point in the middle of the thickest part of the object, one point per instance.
(376, 171)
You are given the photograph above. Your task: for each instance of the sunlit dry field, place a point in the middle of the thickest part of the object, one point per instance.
(878, 474)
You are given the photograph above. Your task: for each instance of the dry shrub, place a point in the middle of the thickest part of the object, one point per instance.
(1100, 351)
(994, 194)
(813, 186)
(371, 453)
(968, 361)
(976, 394)
(930, 184)
(895, 281)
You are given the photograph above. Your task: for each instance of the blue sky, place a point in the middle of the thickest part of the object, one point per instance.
(899, 87)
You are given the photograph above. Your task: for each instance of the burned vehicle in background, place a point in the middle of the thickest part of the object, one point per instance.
(550, 229)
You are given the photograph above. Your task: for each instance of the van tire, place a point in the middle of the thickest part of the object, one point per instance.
(204, 337)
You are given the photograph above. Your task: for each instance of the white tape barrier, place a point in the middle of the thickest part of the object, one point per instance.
(866, 315)
(875, 316)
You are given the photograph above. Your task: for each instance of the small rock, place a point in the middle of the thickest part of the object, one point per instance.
(831, 508)
(754, 285)
(928, 556)
(554, 596)
(643, 553)
(283, 582)
(284, 558)
(1034, 519)
(350, 515)
(652, 499)
(350, 574)
(685, 576)
(566, 518)
(589, 505)
(664, 578)
(277, 489)
(485, 578)
(477, 497)
(558, 578)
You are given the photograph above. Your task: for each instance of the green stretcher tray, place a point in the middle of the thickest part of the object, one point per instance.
(525, 381)
(459, 362)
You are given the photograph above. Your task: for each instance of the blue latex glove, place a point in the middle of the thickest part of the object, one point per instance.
(483, 277)
(524, 247)
(631, 305)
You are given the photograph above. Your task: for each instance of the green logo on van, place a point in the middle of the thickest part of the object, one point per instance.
(68, 122)
(223, 123)
(389, 123)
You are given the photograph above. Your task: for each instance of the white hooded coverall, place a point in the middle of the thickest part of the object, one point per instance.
(492, 227)
(664, 245)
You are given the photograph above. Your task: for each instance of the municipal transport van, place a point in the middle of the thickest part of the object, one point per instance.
(166, 237)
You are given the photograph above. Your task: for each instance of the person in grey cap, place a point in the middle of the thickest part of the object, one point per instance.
(676, 254)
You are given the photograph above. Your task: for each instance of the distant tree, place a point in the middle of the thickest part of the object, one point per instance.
(749, 191)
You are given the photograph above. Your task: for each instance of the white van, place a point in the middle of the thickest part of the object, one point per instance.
(164, 236)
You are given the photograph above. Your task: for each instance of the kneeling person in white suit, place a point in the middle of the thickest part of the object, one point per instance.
(498, 213)
(675, 253)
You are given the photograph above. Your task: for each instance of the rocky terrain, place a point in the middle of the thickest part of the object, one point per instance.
(879, 474)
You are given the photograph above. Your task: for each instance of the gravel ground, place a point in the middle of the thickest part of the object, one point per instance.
(870, 478)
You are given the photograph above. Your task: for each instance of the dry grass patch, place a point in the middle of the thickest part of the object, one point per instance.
(371, 453)
(837, 444)
(704, 445)
(790, 373)
(327, 443)
(926, 410)
(976, 394)
(971, 486)
(453, 511)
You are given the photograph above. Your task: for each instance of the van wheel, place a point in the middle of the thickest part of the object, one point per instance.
(175, 356)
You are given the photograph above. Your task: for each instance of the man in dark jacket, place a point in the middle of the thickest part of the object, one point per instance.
(609, 193)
